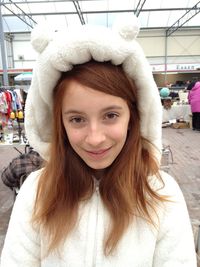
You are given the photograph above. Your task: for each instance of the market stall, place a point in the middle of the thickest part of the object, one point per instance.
(177, 112)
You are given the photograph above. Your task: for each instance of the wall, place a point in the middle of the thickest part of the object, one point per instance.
(24, 55)
(183, 46)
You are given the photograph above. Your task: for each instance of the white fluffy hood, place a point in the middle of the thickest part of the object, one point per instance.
(58, 52)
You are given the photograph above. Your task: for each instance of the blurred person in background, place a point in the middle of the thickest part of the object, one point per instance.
(194, 101)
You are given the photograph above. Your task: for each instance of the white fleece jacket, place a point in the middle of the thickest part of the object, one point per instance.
(171, 245)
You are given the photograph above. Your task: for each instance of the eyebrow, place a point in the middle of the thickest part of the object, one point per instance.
(73, 111)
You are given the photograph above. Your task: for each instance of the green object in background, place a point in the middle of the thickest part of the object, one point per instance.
(164, 92)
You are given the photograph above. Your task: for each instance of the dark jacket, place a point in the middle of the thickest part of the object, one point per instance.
(20, 167)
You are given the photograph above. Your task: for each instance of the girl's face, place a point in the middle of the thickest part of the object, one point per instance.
(96, 124)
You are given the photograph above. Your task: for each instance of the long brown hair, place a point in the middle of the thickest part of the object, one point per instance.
(66, 180)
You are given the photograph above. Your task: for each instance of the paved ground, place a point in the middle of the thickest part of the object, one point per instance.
(6, 195)
(184, 165)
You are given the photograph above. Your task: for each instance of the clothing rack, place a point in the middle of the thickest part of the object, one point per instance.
(11, 113)
(11, 99)
(13, 87)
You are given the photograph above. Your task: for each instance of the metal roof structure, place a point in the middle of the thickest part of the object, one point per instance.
(22, 15)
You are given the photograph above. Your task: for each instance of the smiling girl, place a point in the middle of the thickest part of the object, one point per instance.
(94, 113)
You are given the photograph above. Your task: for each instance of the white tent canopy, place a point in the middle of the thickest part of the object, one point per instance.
(22, 15)
(23, 77)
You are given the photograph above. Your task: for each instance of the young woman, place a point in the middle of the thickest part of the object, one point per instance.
(94, 113)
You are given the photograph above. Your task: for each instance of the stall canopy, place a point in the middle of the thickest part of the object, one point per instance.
(23, 77)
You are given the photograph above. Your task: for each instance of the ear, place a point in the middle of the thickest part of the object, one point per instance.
(40, 37)
(127, 27)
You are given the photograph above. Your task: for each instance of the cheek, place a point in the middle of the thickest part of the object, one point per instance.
(119, 133)
(74, 136)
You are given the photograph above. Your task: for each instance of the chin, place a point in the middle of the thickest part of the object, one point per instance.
(99, 166)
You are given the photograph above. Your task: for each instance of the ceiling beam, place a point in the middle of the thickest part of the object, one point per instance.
(98, 12)
(26, 18)
(139, 8)
(183, 19)
(46, 1)
(78, 11)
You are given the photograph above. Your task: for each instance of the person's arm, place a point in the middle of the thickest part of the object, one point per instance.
(22, 242)
(175, 244)
(189, 97)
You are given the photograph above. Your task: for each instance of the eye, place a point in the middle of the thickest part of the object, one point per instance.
(77, 120)
(111, 116)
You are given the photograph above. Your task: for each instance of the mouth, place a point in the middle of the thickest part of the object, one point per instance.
(98, 153)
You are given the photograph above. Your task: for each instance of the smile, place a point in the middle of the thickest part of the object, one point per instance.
(98, 153)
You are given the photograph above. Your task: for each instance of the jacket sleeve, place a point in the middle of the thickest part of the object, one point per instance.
(189, 97)
(22, 242)
(175, 243)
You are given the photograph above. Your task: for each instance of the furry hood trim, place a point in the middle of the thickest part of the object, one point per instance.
(58, 52)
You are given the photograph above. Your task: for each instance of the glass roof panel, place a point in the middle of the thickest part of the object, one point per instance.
(93, 5)
(157, 4)
(157, 13)
(42, 8)
(166, 19)
(14, 24)
(59, 22)
(122, 5)
(99, 19)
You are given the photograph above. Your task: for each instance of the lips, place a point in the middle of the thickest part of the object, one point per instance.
(98, 153)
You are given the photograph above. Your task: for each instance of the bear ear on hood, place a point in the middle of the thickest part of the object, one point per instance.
(41, 36)
(127, 26)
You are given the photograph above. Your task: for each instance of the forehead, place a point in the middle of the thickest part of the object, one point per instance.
(77, 95)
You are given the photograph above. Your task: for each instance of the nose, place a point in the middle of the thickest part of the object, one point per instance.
(95, 135)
